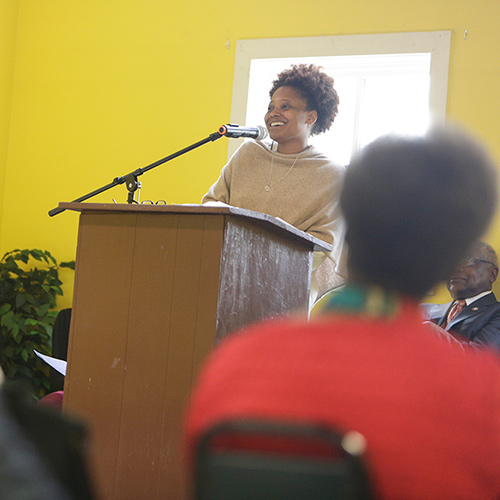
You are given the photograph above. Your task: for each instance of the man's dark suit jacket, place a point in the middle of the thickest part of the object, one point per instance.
(478, 323)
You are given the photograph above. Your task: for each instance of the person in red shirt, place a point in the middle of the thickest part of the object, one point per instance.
(429, 410)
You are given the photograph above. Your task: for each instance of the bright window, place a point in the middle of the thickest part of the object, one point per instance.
(386, 83)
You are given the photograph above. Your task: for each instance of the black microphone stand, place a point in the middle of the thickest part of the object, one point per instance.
(131, 179)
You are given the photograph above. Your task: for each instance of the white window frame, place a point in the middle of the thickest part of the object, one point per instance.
(437, 43)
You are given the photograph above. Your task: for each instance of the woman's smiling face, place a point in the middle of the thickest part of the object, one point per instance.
(288, 121)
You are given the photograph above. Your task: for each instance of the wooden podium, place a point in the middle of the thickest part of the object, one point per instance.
(155, 288)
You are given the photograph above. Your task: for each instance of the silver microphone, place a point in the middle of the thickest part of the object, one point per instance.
(235, 131)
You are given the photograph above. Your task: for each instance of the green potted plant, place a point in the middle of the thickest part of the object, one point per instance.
(29, 286)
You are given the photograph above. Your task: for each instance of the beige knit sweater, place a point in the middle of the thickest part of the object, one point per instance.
(305, 195)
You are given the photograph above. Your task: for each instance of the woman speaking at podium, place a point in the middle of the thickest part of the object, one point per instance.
(289, 179)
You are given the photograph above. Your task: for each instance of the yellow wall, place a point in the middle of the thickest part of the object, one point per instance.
(8, 25)
(102, 87)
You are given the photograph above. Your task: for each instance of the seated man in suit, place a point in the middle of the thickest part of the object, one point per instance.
(473, 317)
(429, 410)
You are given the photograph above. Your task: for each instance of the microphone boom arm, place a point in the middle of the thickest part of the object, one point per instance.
(131, 178)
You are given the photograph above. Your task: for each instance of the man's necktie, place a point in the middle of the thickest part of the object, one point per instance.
(455, 309)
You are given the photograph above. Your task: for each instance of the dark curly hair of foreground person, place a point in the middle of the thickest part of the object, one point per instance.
(316, 87)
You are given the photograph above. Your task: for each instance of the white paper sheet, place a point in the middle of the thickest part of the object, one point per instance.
(58, 364)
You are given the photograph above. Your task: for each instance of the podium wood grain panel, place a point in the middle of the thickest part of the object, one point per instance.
(161, 346)
(97, 346)
(264, 274)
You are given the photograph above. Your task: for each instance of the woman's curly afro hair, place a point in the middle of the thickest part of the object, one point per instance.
(316, 87)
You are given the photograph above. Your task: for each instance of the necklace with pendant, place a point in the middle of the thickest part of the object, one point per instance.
(270, 184)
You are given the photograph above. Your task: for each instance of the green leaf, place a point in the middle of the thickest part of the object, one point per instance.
(57, 289)
(4, 308)
(22, 256)
(7, 319)
(22, 325)
(8, 351)
(43, 309)
(36, 254)
(29, 298)
(20, 300)
(15, 331)
(50, 257)
(48, 328)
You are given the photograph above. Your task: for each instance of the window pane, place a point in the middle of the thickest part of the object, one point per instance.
(393, 103)
(378, 94)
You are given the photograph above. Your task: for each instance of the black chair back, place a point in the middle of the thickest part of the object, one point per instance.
(60, 339)
(248, 459)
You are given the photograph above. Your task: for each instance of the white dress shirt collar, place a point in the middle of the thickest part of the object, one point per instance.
(470, 300)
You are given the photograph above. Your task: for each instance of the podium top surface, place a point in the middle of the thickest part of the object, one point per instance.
(316, 243)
